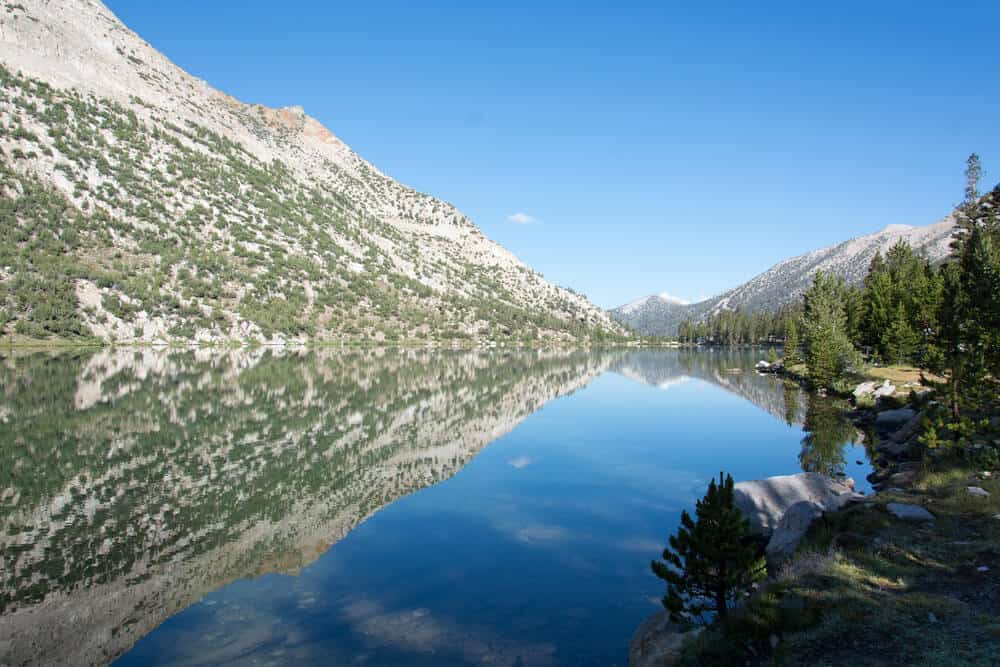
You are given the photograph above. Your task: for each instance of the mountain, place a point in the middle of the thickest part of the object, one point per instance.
(137, 203)
(786, 281)
(652, 313)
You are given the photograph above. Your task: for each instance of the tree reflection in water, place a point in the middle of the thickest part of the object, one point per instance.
(827, 434)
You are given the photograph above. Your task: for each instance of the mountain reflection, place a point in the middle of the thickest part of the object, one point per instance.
(134, 482)
(728, 368)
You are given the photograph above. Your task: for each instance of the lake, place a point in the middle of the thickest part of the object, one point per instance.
(390, 507)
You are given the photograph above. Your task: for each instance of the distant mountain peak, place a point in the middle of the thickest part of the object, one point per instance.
(670, 298)
(661, 299)
(788, 279)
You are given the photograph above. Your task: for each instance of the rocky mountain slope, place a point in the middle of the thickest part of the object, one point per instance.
(651, 314)
(139, 203)
(787, 280)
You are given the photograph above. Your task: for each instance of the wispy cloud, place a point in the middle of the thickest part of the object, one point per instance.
(542, 533)
(520, 462)
(520, 218)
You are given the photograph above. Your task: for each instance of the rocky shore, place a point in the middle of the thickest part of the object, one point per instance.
(916, 509)
(780, 510)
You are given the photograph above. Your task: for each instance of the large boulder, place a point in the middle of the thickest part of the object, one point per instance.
(864, 389)
(791, 528)
(889, 421)
(658, 642)
(765, 501)
(907, 430)
(894, 450)
(885, 390)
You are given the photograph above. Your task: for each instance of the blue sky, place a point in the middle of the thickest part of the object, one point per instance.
(679, 147)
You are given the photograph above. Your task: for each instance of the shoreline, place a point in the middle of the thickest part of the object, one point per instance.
(931, 522)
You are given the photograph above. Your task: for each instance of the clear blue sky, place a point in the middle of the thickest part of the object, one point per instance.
(682, 147)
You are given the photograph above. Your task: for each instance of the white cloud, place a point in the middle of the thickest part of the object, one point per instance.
(520, 462)
(542, 533)
(521, 218)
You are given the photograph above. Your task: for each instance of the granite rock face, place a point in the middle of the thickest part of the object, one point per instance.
(765, 501)
(791, 528)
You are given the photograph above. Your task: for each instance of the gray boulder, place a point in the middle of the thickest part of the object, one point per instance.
(658, 642)
(765, 501)
(891, 420)
(909, 512)
(907, 430)
(864, 389)
(892, 449)
(903, 478)
(791, 528)
(885, 390)
(977, 491)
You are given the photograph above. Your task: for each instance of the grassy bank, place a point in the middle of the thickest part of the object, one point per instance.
(866, 587)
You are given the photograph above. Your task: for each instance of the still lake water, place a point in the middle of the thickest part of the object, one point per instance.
(376, 508)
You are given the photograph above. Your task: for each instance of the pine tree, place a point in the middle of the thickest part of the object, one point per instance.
(792, 355)
(709, 564)
(966, 213)
(945, 354)
(901, 339)
(965, 344)
(980, 267)
(828, 350)
(876, 300)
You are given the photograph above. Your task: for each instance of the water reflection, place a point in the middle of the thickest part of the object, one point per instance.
(135, 482)
(728, 368)
(827, 433)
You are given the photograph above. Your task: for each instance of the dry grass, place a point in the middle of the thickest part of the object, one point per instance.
(898, 375)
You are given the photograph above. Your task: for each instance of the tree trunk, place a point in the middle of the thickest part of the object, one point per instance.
(955, 412)
(720, 603)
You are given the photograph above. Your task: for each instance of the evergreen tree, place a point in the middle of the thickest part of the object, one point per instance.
(964, 347)
(900, 339)
(980, 268)
(966, 214)
(876, 307)
(709, 564)
(945, 355)
(792, 355)
(898, 306)
(828, 351)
